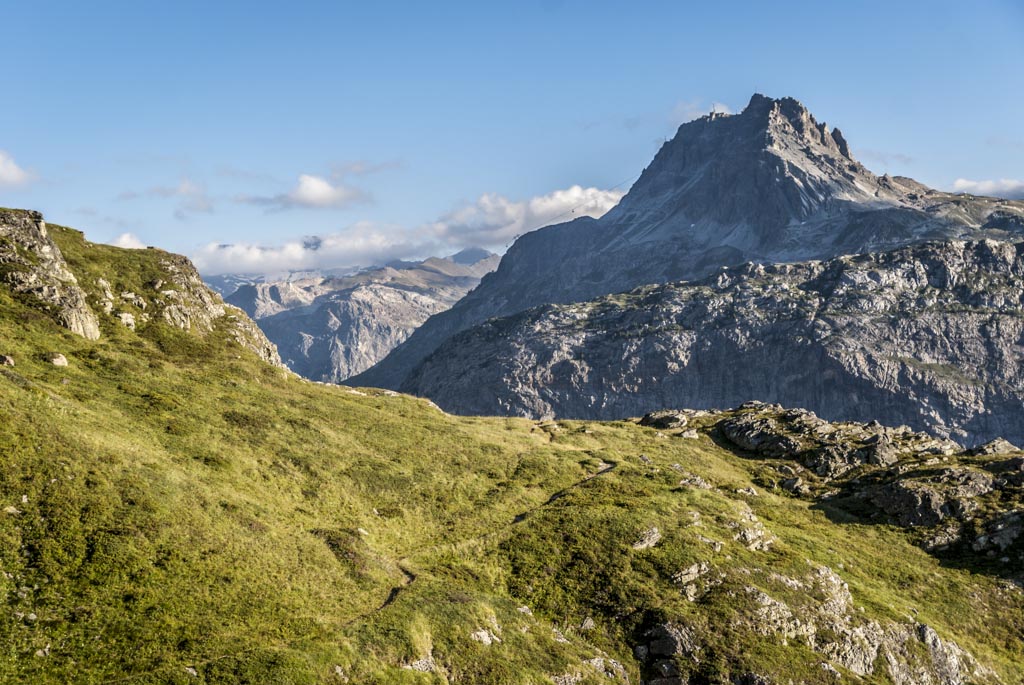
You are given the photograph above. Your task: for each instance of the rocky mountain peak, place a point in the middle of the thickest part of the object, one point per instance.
(770, 184)
(760, 170)
(789, 118)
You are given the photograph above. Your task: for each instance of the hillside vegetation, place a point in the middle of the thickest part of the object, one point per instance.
(175, 509)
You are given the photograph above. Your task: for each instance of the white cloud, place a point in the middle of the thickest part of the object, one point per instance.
(312, 192)
(10, 173)
(1009, 188)
(129, 241)
(191, 197)
(688, 110)
(360, 244)
(492, 221)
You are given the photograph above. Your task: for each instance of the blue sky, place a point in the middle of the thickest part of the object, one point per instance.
(397, 128)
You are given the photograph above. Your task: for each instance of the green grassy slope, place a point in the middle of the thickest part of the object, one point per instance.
(179, 511)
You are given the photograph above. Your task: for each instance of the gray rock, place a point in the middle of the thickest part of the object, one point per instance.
(671, 640)
(57, 359)
(925, 336)
(34, 266)
(648, 538)
(664, 419)
(796, 486)
(191, 306)
(997, 446)
(759, 434)
(424, 665)
(911, 504)
(1000, 533)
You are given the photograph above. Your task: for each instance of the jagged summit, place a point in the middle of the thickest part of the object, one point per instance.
(769, 167)
(770, 184)
(790, 113)
(780, 117)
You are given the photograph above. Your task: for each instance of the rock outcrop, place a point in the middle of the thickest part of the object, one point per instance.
(31, 264)
(330, 328)
(964, 503)
(818, 611)
(185, 302)
(768, 185)
(928, 336)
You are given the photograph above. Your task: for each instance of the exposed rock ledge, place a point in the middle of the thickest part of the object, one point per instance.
(32, 264)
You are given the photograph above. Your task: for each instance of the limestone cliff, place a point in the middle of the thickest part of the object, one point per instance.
(930, 336)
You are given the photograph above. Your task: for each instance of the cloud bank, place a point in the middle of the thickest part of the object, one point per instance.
(10, 173)
(492, 221)
(1008, 188)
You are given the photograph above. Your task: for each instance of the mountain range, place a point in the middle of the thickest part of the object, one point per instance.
(770, 185)
(649, 504)
(176, 507)
(330, 327)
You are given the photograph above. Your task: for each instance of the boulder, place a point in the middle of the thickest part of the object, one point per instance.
(910, 504)
(664, 419)
(997, 446)
(759, 434)
(648, 538)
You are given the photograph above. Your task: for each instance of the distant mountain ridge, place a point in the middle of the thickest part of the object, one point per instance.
(329, 327)
(770, 184)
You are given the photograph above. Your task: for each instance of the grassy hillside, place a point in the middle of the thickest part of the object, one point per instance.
(175, 510)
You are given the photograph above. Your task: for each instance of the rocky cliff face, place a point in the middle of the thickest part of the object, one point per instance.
(31, 264)
(930, 336)
(771, 184)
(329, 329)
(127, 292)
